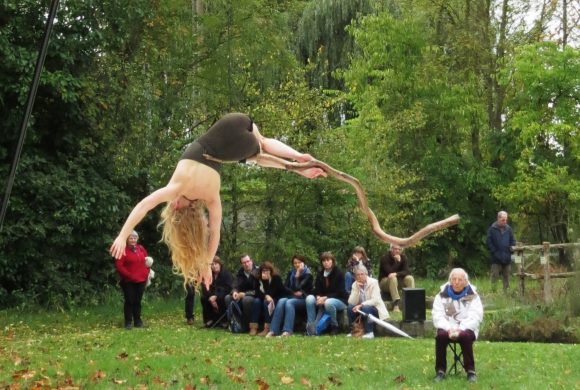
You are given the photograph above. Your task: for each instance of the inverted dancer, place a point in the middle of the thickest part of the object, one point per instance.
(192, 235)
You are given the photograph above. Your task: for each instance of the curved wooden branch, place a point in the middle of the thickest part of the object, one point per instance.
(264, 158)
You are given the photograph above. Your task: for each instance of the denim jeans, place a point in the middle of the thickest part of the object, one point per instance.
(348, 281)
(278, 315)
(286, 311)
(331, 306)
(292, 305)
(365, 309)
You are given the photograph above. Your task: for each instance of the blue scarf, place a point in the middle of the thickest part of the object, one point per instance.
(456, 296)
(293, 281)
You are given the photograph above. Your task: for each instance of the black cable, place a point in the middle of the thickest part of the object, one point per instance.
(29, 105)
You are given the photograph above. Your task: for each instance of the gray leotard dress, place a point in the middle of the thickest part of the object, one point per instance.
(229, 139)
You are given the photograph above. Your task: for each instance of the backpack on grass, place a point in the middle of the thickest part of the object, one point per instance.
(234, 313)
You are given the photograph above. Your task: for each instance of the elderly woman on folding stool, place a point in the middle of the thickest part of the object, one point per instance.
(457, 314)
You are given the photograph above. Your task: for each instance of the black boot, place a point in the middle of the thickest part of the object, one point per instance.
(334, 330)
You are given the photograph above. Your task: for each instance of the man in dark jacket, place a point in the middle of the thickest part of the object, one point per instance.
(394, 271)
(500, 239)
(244, 292)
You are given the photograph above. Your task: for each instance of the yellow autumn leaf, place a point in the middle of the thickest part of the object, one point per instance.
(286, 380)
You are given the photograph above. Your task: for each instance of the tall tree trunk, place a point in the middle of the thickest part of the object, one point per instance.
(501, 48)
(564, 23)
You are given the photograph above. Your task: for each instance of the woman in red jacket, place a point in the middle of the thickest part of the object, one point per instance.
(133, 271)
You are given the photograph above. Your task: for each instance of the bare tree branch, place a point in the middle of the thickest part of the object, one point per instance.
(362, 199)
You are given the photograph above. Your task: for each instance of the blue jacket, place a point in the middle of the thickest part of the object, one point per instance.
(499, 243)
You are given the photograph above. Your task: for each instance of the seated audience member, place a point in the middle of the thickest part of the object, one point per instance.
(298, 284)
(329, 295)
(213, 302)
(270, 290)
(457, 314)
(366, 297)
(358, 256)
(394, 271)
(244, 291)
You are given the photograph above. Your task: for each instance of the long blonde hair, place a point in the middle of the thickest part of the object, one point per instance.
(186, 232)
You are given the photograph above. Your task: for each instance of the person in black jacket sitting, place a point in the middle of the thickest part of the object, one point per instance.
(244, 292)
(299, 283)
(212, 300)
(329, 293)
(270, 290)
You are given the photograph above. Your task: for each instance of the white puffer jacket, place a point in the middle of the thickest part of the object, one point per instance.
(466, 313)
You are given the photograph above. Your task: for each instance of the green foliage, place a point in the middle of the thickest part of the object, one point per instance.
(544, 118)
(406, 96)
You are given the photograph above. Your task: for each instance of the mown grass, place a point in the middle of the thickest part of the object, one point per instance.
(88, 348)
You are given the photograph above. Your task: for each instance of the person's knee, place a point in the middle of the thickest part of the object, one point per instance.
(384, 284)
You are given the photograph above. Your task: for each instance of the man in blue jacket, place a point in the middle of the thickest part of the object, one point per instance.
(500, 238)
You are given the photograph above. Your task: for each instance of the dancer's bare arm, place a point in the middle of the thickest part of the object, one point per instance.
(214, 208)
(165, 194)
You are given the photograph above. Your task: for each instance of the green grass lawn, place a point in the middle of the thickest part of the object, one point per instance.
(89, 349)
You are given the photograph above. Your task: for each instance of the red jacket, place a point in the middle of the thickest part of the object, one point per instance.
(131, 266)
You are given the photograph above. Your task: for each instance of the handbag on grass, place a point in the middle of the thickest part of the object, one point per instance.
(358, 327)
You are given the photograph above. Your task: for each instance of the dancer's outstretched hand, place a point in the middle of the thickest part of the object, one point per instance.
(304, 157)
(311, 173)
(118, 248)
(206, 278)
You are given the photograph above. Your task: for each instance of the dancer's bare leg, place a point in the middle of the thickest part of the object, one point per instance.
(280, 149)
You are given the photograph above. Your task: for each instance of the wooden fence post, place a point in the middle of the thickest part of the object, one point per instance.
(546, 259)
(519, 260)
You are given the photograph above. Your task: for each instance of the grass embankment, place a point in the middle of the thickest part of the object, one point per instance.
(89, 349)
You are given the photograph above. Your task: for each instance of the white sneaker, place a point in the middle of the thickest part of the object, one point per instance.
(369, 335)
(270, 334)
(349, 335)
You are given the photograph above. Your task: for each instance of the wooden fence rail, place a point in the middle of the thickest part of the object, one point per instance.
(544, 249)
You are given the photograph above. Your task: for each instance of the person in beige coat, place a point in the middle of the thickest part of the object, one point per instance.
(365, 296)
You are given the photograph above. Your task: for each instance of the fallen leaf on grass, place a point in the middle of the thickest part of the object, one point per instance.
(189, 387)
(204, 380)
(305, 382)
(159, 382)
(68, 384)
(400, 379)
(286, 379)
(334, 380)
(262, 385)
(16, 360)
(123, 356)
(236, 378)
(119, 381)
(42, 384)
(23, 374)
(97, 376)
